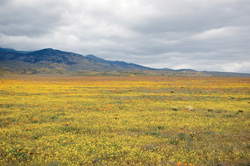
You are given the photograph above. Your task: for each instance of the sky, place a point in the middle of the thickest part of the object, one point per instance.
(205, 35)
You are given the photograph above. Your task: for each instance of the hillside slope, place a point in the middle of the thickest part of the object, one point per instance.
(55, 61)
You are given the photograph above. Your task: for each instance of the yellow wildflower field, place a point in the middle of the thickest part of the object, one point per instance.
(72, 120)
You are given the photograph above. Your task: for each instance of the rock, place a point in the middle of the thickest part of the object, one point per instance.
(189, 108)
(174, 108)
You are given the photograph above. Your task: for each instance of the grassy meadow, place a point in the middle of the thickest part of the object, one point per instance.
(124, 121)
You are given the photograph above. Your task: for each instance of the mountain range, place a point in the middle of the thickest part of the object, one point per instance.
(51, 61)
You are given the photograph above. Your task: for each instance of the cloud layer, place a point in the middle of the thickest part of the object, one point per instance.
(197, 34)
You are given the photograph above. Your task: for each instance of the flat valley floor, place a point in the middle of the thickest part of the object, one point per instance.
(70, 120)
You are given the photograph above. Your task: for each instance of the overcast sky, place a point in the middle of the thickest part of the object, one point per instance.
(198, 34)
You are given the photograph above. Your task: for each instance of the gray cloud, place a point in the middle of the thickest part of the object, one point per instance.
(30, 18)
(198, 34)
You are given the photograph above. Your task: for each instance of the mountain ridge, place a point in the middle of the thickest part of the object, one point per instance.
(122, 63)
(53, 61)
(13, 50)
(48, 59)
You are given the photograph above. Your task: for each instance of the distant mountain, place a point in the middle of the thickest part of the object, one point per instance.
(10, 50)
(226, 74)
(185, 70)
(90, 56)
(119, 63)
(167, 69)
(44, 57)
(55, 61)
(51, 61)
(51, 56)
